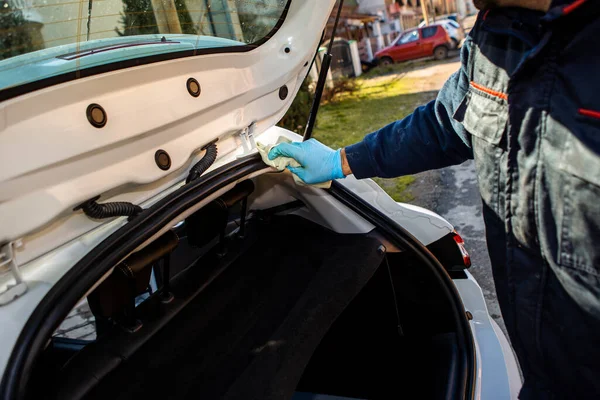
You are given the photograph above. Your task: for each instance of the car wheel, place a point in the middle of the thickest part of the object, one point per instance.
(385, 61)
(440, 52)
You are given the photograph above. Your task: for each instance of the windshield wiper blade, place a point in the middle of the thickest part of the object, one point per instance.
(101, 49)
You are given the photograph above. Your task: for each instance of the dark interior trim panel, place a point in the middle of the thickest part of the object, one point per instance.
(402, 238)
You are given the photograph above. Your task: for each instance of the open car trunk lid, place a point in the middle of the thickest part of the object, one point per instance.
(130, 133)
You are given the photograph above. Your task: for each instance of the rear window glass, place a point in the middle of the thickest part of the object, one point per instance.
(429, 31)
(43, 38)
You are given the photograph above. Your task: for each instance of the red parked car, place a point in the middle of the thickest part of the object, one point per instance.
(416, 43)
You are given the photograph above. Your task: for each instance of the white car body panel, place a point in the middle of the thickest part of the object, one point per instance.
(425, 225)
(148, 108)
(497, 369)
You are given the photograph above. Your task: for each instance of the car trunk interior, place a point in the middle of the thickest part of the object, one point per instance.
(281, 308)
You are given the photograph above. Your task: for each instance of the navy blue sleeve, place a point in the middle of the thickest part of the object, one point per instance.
(427, 139)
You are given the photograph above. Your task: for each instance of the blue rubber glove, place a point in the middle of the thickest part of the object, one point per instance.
(318, 163)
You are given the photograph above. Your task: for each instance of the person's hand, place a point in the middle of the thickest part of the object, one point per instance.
(318, 163)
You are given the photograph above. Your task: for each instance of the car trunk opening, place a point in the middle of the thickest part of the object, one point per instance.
(283, 308)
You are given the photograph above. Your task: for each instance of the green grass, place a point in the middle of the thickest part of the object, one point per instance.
(396, 187)
(378, 102)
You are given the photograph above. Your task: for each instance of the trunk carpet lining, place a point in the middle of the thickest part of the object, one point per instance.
(251, 333)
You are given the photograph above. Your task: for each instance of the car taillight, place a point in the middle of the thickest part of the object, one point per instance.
(463, 250)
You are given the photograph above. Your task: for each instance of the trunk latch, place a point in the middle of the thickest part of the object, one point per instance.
(247, 139)
(8, 265)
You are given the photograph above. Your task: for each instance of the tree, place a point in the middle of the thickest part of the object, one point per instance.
(138, 18)
(185, 19)
(258, 18)
(15, 38)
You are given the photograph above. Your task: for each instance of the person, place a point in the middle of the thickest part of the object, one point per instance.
(525, 105)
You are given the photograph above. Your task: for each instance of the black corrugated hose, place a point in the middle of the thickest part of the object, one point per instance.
(201, 166)
(108, 210)
(95, 210)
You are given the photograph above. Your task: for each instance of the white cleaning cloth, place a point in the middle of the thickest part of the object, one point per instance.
(280, 163)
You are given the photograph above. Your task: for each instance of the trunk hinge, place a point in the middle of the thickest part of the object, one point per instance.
(8, 265)
(247, 138)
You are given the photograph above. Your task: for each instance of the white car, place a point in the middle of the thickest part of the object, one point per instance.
(134, 208)
(455, 31)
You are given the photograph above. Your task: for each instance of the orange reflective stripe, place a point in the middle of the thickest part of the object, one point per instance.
(568, 9)
(500, 95)
(589, 113)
